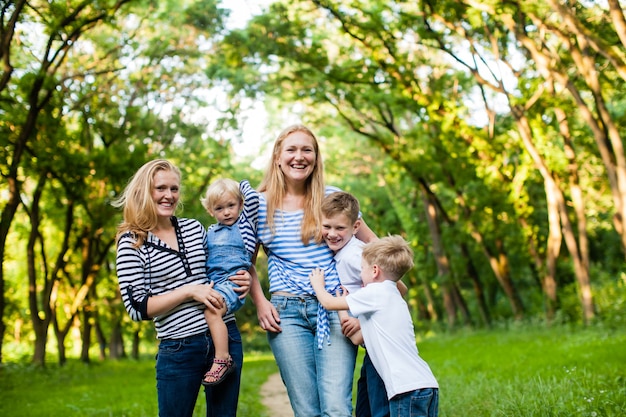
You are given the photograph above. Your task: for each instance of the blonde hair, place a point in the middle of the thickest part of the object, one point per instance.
(392, 254)
(274, 187)
(140, 211)
(341, 202)
(217, 190)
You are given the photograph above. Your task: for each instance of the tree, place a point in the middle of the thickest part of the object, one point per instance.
(113, 84)
(419, 78)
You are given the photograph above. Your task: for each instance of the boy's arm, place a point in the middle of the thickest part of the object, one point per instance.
(364, 233)
(327, 300)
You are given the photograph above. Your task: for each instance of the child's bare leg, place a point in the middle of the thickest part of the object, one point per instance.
(219, 332)
(222, 362)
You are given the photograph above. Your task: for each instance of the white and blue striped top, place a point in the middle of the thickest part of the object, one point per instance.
(249, 216)
(290, 262)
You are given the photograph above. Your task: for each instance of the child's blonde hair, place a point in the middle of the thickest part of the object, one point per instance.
(217, 190)
(341, 202)
(392, 254)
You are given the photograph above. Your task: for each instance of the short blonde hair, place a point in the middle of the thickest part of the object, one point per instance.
(217, 190)
(392, 254)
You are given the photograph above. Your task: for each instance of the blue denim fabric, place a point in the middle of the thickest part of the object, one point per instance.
(227, 255)
(231, 298)
(371, 398)
(419, 403)
(180, 366)
(318, 381)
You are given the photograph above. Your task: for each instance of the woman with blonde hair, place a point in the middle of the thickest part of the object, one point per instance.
(161, 269)
(316, 361)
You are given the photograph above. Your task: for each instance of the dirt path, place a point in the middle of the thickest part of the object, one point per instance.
(274, 397)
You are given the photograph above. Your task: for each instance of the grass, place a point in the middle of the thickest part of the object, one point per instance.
(516, 372)
(112, 388)
(528, 372)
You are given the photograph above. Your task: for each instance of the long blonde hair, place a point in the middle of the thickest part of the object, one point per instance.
(274, 187)
(140, 211)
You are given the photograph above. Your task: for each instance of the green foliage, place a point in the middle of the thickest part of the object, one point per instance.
(610, 298)
(409, 99)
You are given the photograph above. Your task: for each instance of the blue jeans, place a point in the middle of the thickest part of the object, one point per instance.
(180, 366)
(419, 403)
(318, 381)
(371, 398)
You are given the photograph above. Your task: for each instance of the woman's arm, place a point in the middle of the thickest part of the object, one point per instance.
(269, 320)
(202, 293)
(402, 288)
(364, 233)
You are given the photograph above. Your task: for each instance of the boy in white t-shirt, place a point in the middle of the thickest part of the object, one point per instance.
(387, 326)
(340, 222)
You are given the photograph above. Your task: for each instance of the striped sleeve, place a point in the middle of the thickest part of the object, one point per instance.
(130, 265)
(155, 269)
(250, 215)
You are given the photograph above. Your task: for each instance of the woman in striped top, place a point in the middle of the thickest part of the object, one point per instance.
(315, 360)
(161, 269)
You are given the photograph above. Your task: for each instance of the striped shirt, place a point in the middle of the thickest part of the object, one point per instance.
(249, 216)
(155, 268)
(290, 262)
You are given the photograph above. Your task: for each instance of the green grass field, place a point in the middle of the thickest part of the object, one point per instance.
(516, 372)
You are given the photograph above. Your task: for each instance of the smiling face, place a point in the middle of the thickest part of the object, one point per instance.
(166, 192)
(297, 156)
(226, 209)
(337, 231)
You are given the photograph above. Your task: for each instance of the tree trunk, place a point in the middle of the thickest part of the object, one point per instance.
(441, 259)
(61, 334)
(136, 340)
(553, 248)
(102, 341)
(86, 335)
(546, 282)
(431, 308)
(582, 265)
(461, 305)
(116, 342)
(500, 266)
(481, 303)
(40, 323)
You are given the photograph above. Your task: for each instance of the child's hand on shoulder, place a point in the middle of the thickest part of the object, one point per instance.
(317, 278)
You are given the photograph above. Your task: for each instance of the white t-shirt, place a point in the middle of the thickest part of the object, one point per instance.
(348, 263)
(390, 338)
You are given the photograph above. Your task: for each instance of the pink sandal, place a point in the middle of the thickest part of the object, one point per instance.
(225, 367)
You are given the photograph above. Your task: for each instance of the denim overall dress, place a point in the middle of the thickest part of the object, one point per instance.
(227, 255)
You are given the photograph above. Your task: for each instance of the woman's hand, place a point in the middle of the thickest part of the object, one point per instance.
(268, 316)
(202, 293)
(242, 279)
(206, 295)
